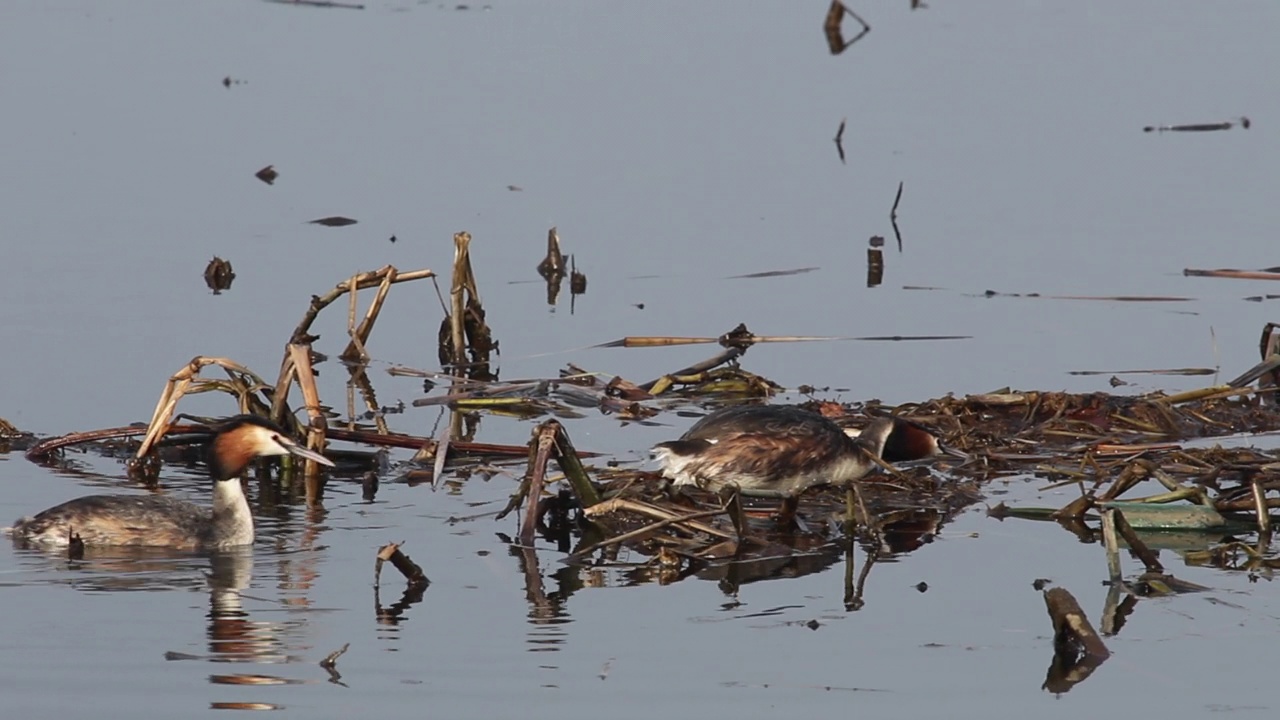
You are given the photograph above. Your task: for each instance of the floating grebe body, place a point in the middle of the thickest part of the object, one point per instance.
(155, 521)
(770, 451)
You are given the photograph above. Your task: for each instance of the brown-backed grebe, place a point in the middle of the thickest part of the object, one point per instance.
(770, 451)
(156, 521)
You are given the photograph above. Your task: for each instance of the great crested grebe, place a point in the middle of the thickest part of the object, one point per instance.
(770, 451)
(156, 521)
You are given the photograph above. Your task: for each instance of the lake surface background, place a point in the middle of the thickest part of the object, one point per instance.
(674, 145)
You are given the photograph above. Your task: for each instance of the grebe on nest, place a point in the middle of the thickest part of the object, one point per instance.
(156, 521)
(781, 450)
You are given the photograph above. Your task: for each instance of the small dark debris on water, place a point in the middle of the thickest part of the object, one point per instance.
(876, 241)
(267, 174)
(840, 140)
(893, 215)
(553, 263)
(577, 280)
(515, 188)
(832, 27)
(773, 273)
(922, 586)
(333, 221)
(228, 81)
(638, 306)
(1243, 122)
(875, 265)
(75, 547)
(393, 239)
(1115, 381)
(218, 275)
(320, 4)
(330, 661)
(330, 664)
(813, 624)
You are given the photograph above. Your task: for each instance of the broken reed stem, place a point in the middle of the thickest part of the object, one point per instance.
(352, 299)
(641, 532)
(1138, 547)
(853, 593)
(280, 411)
(540, 448)
(40, 451)
(359, 380)
(571, 465)
(1260, 503)
(300, 360)
(243, 381)
(413, 574)
(457, 306)
(622, 504)
(361, 282)
(552, 266)
(360, 335)
(331, 660)
(1112, 544)
(660, 385)
(1072, 630)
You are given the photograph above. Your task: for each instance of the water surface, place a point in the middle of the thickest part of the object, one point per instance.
(673, 145)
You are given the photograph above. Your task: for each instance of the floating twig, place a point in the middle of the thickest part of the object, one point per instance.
(1243, 122)
(1231, 274)
(893, 215)
(408, 568)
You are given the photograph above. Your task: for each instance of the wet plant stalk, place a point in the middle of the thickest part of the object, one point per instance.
(543, 442)
(1112, 544)
(408, 568)
(571, 465)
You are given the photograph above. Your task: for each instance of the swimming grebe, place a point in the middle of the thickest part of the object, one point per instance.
(770, 451)
(156, 521)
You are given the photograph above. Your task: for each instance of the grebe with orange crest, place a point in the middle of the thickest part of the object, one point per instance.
(159, 521)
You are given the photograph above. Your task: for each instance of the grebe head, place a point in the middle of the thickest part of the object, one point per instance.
(243, 438)
(905, 441)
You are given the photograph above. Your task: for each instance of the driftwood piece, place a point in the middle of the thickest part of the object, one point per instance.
(412, 573)
(1073, 634)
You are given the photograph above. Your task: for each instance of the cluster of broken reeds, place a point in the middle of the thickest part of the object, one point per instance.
(1106, 445)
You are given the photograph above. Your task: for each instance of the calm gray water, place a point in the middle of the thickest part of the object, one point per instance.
(674, 145)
